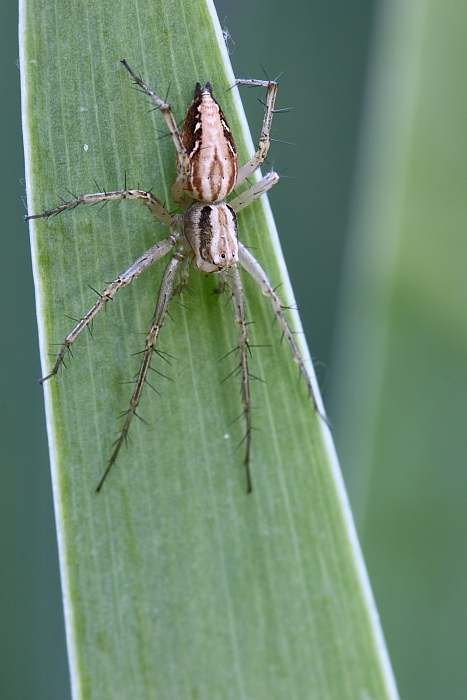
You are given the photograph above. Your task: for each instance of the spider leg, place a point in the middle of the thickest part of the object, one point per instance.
(146, 260)
(254, 192)
(156, 207)
(166, 293)
(232, 278)
(184, 273)
(183, 162)
(252, 266)
(247, 170)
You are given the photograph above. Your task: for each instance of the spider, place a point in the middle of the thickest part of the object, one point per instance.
(204, 236)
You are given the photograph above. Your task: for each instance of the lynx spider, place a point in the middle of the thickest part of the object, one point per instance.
(204, 235)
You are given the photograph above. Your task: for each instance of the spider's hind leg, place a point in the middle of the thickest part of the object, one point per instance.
(154, 205)
(259, 157)
(183, 162)
(256, 190)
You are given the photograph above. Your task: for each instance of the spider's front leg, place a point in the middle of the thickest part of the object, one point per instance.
(166, 292)
(233, 281)
(146, 260)
(252, 266)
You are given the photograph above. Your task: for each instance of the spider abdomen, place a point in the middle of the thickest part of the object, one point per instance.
(211, 149)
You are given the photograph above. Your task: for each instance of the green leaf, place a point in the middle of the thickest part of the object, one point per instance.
(176, 582)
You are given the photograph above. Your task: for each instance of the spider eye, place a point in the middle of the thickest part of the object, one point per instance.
(223, 255)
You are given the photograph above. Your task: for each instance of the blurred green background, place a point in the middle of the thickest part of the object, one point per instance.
(371, 213)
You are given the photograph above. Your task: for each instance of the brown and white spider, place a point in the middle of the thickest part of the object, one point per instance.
(204, 235)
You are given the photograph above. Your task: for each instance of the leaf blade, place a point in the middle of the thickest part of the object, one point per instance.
(222, 613)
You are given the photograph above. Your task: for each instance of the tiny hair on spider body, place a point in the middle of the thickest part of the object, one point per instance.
(204, 235)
